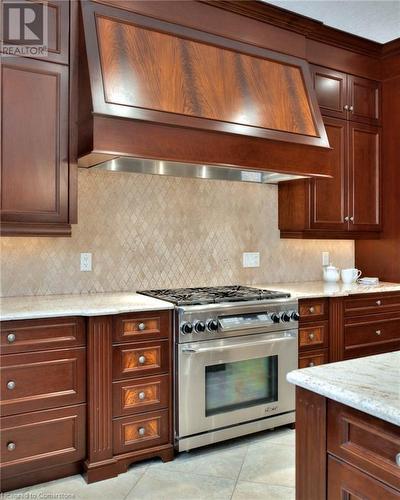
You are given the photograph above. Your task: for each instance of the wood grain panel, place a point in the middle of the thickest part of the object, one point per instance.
(313, 309)
(42, 439)
(141, 431)
(153, 70)
(140, 394)
(372, 303)
(142, 326)
(141, 358)
(313, 358)
(41, 334)
(364, 441)
(315, 335)
(41, 380)
(365, 98)
(336, 329)
(331, 89)
(310, 446)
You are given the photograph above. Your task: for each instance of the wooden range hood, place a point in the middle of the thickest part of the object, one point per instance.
(151, 89)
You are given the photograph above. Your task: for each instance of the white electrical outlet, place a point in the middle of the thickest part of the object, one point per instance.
(251, 259)
(325, 259)
(86, 261)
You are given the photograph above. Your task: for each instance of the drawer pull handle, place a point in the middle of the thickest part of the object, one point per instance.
(142, 395)
(11, 446)
(142, 360)
(142, 326)
(378, 302)
(312, 309)
(11, 338)
(311, 336)
(398, 459)
(311, 363)
(11, 385)
(378, 332)
(141, 431)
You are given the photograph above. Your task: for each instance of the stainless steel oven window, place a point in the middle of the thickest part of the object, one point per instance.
(240, 384)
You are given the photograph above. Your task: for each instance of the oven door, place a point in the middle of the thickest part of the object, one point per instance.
(230, 381)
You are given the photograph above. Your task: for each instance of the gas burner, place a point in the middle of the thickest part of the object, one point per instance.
(213, 295)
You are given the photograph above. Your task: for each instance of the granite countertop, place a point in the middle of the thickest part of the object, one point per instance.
(314, 289)
(96, 304)
(370, 384)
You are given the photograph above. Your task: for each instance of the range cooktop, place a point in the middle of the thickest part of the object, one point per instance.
(213, 295)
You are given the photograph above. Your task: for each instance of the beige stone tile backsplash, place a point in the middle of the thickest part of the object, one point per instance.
(149, 231)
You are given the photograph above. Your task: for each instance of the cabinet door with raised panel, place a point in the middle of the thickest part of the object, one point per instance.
(329, 198)
(34, 167)
(364, 177)
(364, 97)
(331, 89)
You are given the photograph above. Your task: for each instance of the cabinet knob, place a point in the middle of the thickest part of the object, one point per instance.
(11, 446)
(11, 338)
(141, 431)
(378, 302)
(142, 395)
(311, 336)
(142, 360)
(378, 332)
(141, 326)
(312, 309)
(346, 107)
(351, 108)
(311, 363)
(351, 219)
(346, 219)
(11, 385)
(398, 459)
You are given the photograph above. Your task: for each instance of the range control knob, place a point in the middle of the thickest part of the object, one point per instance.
(212, 325)
(285, 316)
(275, 317)
(295, 316)
(187, 328)
(200, 326)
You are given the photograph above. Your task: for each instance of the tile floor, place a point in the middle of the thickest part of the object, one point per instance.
(260, 466)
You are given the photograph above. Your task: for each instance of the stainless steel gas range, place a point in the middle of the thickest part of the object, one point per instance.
(234, 347)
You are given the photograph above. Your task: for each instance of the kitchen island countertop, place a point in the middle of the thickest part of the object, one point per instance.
(371, 384)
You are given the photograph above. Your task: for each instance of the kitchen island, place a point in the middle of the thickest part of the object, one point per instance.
(348, 429)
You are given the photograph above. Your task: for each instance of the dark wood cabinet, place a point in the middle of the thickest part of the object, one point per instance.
(347, 205)
(313, 332)
(346, 96)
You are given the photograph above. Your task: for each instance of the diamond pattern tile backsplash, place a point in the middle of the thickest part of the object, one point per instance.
(149, 231)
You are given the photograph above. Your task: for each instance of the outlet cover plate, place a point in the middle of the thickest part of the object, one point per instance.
(86, 262)
(251, 259)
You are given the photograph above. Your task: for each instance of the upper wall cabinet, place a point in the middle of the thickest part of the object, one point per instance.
(151, 70)
(345, 96)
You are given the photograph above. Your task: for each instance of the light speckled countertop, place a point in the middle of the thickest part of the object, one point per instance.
(96, 304)
(314, 289)
(370, 384)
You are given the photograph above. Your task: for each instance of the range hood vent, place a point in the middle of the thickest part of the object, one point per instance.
(192, 170)
(162, 98)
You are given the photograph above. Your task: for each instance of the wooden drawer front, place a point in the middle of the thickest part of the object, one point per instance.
(313, 309)
(40, 380)
(313, 358)
(364, 441)
(348, 483)
(140, 326)
(140, 394)
(42, 439)
(41, 334)
(371, 303)
(315, 335)
(371, 335)
(141, 358)
(141, 431)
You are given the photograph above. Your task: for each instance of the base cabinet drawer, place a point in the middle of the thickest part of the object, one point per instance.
(313, 309)
(141, 431)
(140, 395)
(141, 326)
(313, 358)
(41, 334)
(140, 359)
(371, 304)
(42, 439)
(313, 335)
(39, 380)
(348, 483)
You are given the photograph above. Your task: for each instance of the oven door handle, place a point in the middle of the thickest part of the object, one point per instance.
(191, 350)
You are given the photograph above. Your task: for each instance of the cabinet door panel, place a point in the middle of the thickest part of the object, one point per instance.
(364, 174)
(331, 89)
(365, 100)
(34, 142)
(329, 199)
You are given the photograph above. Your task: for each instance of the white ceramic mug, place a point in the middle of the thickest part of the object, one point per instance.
(350, 275)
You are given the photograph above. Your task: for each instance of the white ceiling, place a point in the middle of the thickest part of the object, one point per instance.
(377, 20)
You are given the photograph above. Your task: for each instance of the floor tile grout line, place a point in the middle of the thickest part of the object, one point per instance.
(135, 483)
(240, 471)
